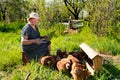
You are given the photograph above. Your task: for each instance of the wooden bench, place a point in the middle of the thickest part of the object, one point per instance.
(73, 25)
(94, 61)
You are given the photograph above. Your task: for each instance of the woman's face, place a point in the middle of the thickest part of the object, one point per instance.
(34, 21)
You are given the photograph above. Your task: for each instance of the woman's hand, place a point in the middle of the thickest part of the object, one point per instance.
(37, 41)
(46, 37)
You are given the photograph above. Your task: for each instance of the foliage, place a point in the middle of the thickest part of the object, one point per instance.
(12, 10)
(57, 12)
(113, 32)
(50, 12)
(103, 14)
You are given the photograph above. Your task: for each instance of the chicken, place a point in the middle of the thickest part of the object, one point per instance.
(79, 72)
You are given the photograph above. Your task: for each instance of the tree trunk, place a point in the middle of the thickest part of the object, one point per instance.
(76, 16)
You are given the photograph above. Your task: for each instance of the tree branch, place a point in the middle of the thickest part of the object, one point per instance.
(71, 4)
(65, 1)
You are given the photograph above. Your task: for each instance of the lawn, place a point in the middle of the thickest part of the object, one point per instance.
(11, 67)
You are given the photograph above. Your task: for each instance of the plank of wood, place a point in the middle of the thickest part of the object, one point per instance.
(97, 63)
(90, 68)
(89, 51)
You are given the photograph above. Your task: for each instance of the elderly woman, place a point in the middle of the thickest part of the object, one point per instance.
(34, 45)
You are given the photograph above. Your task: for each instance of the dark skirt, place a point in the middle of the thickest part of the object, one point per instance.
(35, 51)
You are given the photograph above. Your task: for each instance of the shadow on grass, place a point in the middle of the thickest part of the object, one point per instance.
(112, 70)
(6, 29)
(108, 72)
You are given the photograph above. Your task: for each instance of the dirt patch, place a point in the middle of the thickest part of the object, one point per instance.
(114, 59)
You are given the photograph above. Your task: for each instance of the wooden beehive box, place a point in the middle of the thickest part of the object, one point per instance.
(94, 61)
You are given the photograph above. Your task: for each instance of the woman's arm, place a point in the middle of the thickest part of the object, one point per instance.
(25, 41)
(44, 37)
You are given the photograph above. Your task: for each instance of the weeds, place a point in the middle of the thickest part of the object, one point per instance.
(10, 53)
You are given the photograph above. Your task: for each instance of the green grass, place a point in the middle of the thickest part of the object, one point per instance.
(10, 49)
(10, 54)
(38, 73)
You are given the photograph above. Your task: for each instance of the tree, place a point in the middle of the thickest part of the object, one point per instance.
(75, 6)
(57, 12)
(12, 10)
(103, 14)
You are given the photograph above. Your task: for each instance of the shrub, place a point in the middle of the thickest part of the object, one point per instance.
(8, 27)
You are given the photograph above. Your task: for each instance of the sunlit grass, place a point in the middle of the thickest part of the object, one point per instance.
(10, 53)
(10, 49)
(38, 73)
